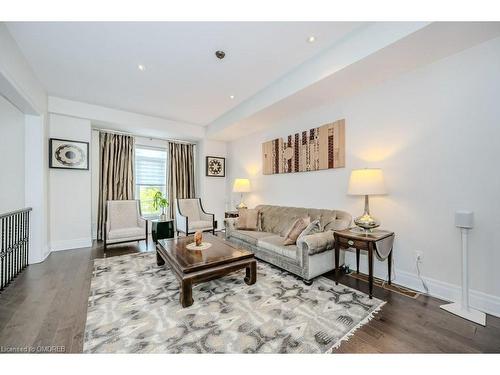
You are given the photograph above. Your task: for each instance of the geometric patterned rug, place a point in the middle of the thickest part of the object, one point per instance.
(134, 308)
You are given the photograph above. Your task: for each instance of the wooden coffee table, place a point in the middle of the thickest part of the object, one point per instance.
(196, 266)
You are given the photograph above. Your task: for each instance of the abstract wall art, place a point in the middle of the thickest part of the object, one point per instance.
(67, 154)
(215, 166)
(312, 150)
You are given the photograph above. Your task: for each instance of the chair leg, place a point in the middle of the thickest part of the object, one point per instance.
(105, 238)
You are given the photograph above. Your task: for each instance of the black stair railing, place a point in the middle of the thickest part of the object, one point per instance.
(14, 244)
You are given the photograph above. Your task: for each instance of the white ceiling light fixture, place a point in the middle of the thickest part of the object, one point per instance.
(311, 39)
(231, 97)
(141, 67)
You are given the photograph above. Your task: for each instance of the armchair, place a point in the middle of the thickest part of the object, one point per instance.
(191, 217)
(124, 223)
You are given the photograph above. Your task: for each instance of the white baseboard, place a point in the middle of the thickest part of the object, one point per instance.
(45, 254)
(487, 303)
(71, 244)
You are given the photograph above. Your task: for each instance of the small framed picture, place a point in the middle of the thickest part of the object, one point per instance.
(67, 154)
(216, 166)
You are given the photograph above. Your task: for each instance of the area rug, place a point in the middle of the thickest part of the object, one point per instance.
(134, 308)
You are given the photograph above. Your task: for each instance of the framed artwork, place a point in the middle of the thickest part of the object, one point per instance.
(67, 154)
(216, 166)
(310, 150)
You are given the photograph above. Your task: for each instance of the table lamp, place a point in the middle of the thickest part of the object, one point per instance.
(241, 185)
(368, 181)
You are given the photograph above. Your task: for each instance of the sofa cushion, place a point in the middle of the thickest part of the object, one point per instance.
(295, 230)
(190, 208)
(200, 224)
(250, 236)
(312, 228)
(123, 214)
(275, 244)
(277, 219)
(248, 219)
(116, 234)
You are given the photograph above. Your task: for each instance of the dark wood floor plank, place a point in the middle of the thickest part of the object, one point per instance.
(47, 305)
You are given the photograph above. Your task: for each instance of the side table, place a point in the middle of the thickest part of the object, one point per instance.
(162, 229)
(346, 239)
(229, 214)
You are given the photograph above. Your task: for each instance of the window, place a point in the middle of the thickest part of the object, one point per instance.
(150, 177)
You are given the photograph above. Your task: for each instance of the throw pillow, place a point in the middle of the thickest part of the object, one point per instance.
(325, 221)
(295, 230)
(312, 228)
(248, 219)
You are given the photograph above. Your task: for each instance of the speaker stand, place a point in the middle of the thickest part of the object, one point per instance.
(462, 308)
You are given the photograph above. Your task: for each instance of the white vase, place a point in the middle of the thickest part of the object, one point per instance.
(163, 216)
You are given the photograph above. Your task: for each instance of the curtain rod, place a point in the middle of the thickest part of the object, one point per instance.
(143, 136)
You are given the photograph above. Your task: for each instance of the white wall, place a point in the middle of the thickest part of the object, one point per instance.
(94, 177)
(11, 157)
(435, 134)
(70, 191)
(212, 190)
(19, 84)
(15, 69)
(37, 185)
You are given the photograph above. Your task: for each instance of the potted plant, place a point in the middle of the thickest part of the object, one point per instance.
(159, 201)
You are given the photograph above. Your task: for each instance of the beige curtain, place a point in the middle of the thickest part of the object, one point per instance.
(180, 173)
(116, 179)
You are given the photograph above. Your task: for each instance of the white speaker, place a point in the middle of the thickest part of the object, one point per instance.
(464, 219)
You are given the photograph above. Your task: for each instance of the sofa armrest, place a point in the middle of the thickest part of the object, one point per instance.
(141, 221)
(206, 216)
(181, 221)
(106, 230)
(317, 243)
(230, 224)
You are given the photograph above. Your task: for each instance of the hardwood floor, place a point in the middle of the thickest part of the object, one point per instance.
(46, 306)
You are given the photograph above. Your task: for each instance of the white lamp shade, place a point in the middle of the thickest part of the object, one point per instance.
(368, 181)
(241, 185)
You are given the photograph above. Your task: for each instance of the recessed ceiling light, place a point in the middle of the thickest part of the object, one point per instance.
(311, 39)
(231, 96)
(220, 54)
(141, 67)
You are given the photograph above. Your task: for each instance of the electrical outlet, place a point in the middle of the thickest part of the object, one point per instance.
(419, 256)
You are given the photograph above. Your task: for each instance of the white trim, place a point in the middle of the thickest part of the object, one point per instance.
(71, 244)
(488, 303)
(45, 255)
(449, 292)
(124, 121)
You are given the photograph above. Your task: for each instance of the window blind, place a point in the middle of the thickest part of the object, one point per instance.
(150, 166)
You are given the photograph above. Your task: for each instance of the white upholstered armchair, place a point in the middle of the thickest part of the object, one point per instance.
(124, 223)
(191, 217)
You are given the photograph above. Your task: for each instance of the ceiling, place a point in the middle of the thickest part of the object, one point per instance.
(97, 63)
(424, 46)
